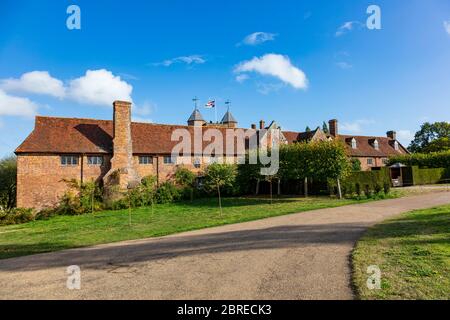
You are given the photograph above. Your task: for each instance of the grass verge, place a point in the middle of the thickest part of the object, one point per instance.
(65, 232)
(413, 254)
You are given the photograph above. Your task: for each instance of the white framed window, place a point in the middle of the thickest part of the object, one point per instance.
(354, 145)
(396, 147)
(370, 161)
(95, 160)
(376, 145)
(69, 160)
(145, 160)
(169, 160)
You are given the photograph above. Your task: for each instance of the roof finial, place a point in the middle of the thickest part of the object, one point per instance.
(195, 99)
(228, 103)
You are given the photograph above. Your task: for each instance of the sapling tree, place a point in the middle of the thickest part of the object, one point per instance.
(218, 176)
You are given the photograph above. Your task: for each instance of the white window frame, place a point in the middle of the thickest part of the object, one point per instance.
(74, 160)
(396, 146)
(172, 161)
(145, 160)
(370, 162)
(97, 160)
(376, 145)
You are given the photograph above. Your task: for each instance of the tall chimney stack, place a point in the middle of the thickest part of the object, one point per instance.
(122, 159)
(253, 126)
(392, 135)
(262, 124)
(333, 127)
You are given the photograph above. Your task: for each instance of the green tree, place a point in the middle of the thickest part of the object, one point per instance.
(427, 134)
(438, 145)
(185, 178)
(218, 176)
(307, 129)
(355, 164)
(8, 176)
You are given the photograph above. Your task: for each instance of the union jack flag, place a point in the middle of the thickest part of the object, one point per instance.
(210, 104)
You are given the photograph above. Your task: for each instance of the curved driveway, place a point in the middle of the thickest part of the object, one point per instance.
(298, 256)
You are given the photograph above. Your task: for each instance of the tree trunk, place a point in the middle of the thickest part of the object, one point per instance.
(257, 187)
(220, 200)
(339, 188)
(279, 187)
(271, 196)
(306, 187)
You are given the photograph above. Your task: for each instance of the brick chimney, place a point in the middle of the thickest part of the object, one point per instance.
(391, 135)
(333, 127)
(253, 126)
(122, 160)
(262, 124)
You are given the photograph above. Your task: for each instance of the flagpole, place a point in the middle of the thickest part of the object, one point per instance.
(215, 110)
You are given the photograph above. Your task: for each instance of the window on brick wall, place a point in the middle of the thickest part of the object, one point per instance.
(95, 160)
(169, 160)
(145, 160)
(69, 160)
(370, 161)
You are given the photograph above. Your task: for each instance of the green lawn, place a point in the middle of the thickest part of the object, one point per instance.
(413, 254)
(109, 226)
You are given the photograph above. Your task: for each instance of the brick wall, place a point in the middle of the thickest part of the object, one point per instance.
(40, 178)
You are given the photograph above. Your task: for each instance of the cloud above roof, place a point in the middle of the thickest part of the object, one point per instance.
(16, 106)
(36, 82)
(275, 65)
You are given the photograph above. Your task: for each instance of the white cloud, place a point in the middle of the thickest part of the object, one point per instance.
(447, 26)
(142, 120)
(275, 65)
(99, 87)
(347, 27)
(16, 106)
(242, 77)
(189, 60)
(258, 38)
(344, 65)
(355, 127)
(38, 82)
(144, 110)
(405, 137)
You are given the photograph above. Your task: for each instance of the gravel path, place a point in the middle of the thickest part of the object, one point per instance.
(298, 256)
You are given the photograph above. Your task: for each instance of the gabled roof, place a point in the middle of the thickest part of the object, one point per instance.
(196, 116)
(228, 118)
(365, 148)
(304, 136)
(73, 135)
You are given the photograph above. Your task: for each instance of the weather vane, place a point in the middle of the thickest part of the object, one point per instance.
(228, 103)
(195, 99)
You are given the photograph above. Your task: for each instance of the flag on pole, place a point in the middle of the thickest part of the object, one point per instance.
(210, 104)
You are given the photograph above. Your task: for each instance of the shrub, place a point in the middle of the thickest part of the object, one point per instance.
(81, 198)
(423, 160)
(16, 216)
(167, 192)
(365, 181)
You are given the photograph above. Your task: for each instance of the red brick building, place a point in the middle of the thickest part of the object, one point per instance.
(85, 149)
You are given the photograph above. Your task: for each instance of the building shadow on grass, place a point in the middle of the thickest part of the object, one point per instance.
(280, 237)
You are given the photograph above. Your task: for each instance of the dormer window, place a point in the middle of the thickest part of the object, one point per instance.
(354, 145)
(396, 147)
(376, 145)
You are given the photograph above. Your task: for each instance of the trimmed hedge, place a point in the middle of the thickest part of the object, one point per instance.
(428, 176)
(365, 182)
(423, 160)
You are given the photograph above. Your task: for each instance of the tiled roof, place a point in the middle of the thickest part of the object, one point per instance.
(228, 118)
(365, 148)
(72, 135)
(196, 116)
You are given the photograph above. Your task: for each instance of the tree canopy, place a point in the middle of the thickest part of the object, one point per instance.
(432, 137)
(8, 176)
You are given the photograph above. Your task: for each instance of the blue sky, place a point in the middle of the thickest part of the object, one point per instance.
(311, 61)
